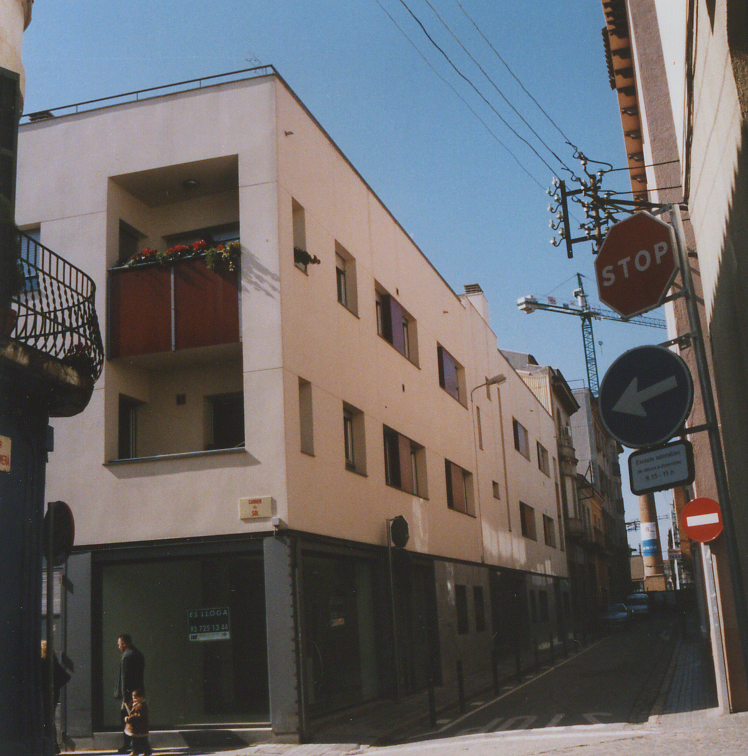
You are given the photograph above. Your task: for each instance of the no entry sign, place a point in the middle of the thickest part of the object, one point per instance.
(702, 519)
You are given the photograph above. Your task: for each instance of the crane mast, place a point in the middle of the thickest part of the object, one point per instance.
(587, 314)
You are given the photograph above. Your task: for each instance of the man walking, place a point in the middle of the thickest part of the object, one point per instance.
(129, 679)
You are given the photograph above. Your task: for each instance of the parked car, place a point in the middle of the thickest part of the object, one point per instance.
(615, 616)
(638, 605)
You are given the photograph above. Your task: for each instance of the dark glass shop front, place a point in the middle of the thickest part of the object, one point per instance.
(200, 623)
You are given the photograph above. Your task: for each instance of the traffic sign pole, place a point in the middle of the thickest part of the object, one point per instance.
(710, 416)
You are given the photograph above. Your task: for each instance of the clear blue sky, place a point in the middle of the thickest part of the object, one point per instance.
(467, 189)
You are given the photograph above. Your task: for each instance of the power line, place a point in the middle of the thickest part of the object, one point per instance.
(494, 85)
(466, 103)
(477, 91)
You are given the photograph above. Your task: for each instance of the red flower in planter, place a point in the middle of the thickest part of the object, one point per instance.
(199, 245)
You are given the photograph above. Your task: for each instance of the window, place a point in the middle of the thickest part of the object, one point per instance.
(227, 421)
(451, 375)
(305, 417)
(128, 427)
(527, 520)
(353, 439)
(543, 605)
(396, 326)
(461, 606)
(533, 607)
(543, 460)
(300, 255)
(549, 531)
(479, 608)
(404, 463)
(496, 491)
(30, 259)
(459, 488)
(521, 439)
(128, 242)
(345, 272)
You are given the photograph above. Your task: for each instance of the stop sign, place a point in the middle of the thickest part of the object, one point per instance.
(636, 264)
(702, 519)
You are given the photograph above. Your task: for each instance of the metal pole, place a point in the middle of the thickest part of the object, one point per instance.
(715, 443)
(395, 654)
(723, 695)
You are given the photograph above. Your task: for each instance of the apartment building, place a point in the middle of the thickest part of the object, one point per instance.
(286, 376)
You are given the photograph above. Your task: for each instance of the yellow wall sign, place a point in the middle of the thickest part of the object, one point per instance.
(4, 454)
(255, 508)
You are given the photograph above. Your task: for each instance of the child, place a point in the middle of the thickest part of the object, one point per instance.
(137, 724)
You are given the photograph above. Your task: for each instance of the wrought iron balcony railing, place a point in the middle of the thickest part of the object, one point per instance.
(56, 313)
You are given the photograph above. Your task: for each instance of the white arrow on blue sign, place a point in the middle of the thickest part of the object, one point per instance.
(645, 396)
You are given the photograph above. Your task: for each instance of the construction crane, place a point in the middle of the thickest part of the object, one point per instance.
(587, 315)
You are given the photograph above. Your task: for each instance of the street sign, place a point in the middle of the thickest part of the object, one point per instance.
(645, 396)
(702, 519)
(661, 468)
(636, 264)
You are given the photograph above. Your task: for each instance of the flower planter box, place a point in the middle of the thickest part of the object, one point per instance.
(163, 308)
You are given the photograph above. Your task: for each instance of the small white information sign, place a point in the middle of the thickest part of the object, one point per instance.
(661, 468)
(4, 454)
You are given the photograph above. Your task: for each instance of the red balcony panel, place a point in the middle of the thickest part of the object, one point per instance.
(206, 305)
(139, 311)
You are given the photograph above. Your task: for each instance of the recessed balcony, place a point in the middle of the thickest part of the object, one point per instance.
(173, 304)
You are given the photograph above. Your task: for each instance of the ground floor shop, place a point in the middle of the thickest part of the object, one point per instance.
(276, 630)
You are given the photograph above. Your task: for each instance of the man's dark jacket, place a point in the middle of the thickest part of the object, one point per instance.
(130, 678)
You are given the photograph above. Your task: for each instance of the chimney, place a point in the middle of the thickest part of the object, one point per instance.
(477, 298)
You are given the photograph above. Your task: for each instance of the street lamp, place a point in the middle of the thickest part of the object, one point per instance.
(495, 381)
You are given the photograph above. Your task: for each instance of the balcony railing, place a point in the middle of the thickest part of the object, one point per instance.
(56, 313)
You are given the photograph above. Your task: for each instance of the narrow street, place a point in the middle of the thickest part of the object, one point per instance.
(613, 681)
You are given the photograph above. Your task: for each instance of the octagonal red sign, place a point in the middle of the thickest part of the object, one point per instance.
(636, 264)
(702, 519)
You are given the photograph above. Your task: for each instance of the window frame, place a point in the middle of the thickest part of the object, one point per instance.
(459, 488)
(521, 438)
(396, 325)
(404, 463)
(451, 375)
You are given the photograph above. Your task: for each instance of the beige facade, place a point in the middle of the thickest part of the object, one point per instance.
(361, 377)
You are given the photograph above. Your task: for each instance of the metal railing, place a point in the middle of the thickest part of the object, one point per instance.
(56, 310)
(144, 94)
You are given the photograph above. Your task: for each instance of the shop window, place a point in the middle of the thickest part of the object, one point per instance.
(306, 419)
(128, 427)
(461, 607)
(527, 521)
(404, 463)
(479, 608)
(396, 326)
(354, 441)
(533, 606)
(549, 531)
(543, 605)
(521, 439)
(226, 421)
(544, 464)
(459, 488)
(451, 375)
(345, 273)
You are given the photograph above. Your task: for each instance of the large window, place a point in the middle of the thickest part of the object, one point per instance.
(461, 607)
(451, 375)
(549, 531)
(353, 439)
(396, 326)
(404, 463)
(521, 439)
(345, 278)
(527, 520)
(459, 488)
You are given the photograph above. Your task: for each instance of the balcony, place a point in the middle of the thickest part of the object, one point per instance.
(576, 529)
(174, 304)
(49, 333)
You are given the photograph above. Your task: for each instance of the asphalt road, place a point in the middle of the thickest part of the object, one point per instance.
(612, 681)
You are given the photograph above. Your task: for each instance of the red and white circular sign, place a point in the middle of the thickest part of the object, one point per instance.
(702, 519)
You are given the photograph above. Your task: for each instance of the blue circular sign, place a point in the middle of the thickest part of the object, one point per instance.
(646, 396)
